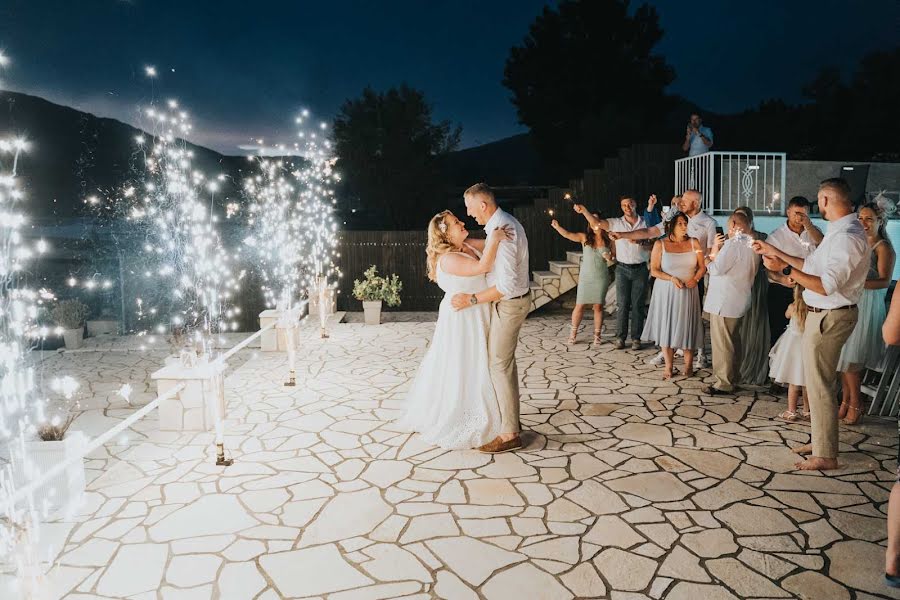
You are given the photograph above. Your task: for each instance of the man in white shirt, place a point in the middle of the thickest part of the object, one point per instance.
(510, 295)
(732, 267)
(698, 138)
(701, 226)
(632, 273)
(833, 277)
(797, 237)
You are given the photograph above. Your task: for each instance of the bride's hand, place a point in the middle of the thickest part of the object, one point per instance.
(501, 234)
(677, 283)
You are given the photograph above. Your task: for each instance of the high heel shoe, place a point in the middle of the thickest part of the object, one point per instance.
(857, 412)
(573, 333)
(596, 343)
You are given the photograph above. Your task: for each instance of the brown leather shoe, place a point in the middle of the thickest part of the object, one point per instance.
(498, 446)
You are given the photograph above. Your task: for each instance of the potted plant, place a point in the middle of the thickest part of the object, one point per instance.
(70, 315)
(54, 444)
(375, 290)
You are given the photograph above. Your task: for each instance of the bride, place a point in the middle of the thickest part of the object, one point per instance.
(451, 402)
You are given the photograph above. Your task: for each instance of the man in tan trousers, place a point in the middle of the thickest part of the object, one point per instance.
(732, 268)
(510, 297)
(833, 277)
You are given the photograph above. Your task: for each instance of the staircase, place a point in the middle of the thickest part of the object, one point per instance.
(562, 277)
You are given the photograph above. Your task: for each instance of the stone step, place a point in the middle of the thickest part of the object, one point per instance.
(574, 257)
(543, 277)
(558, 266)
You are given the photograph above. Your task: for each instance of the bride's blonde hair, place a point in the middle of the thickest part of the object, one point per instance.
(438, 242)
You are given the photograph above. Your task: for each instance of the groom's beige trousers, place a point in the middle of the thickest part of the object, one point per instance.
(507, 317)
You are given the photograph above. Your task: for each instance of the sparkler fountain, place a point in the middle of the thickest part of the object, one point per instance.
(294, 234)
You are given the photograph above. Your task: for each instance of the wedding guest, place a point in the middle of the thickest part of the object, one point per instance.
(754, 357)
(864, 349)
(732, 267)
(701, 227)
(651, 214)
(796, 237)
(593, 276)
(786, 358)
(698, 138)
(891, 333)
(632, 275)
(674, 320)
(833, 276)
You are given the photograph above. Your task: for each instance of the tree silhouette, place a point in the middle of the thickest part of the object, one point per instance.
(586, 81)
(388, 147)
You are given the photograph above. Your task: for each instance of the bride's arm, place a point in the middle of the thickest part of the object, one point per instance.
(465, 266)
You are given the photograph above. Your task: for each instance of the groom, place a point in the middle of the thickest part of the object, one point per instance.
(510, 300)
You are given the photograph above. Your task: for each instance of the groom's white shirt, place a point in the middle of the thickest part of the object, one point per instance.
(510, 272)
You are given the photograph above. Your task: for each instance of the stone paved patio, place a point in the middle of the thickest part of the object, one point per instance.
(629, 488)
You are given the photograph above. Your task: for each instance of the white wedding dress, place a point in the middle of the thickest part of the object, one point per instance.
(452, 403)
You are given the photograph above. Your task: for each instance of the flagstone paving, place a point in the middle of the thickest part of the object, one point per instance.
(629, 487)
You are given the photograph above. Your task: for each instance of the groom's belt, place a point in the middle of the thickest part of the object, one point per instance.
(518, 297)
(632, 265)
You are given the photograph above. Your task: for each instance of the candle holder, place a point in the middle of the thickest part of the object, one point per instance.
(221, 461)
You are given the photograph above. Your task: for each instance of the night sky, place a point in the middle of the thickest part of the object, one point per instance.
(245, 68)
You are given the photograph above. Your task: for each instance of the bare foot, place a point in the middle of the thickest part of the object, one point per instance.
(667, 374)
(689, 373)
(804, 449)
(816, 463)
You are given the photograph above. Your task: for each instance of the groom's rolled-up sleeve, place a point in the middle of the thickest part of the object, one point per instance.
(505, 268)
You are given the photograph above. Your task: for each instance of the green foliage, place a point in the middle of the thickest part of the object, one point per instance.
(388, 149)
(70, 314)
(586, 81)
(375, 287)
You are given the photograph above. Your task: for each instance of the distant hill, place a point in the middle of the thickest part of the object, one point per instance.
(510, 161)
(74, 154)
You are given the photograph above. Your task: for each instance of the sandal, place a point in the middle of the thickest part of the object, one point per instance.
(789, 415)
(596, 341)
(572, 335)
(857, 412)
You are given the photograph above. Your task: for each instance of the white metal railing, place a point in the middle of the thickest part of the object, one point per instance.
(728, 180)
(26, 491)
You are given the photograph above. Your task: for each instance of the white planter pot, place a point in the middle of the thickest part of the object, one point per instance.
(372, 311)
(64, 491)
(102, 327)
(74, 338)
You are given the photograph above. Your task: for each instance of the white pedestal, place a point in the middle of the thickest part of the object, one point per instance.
(275, 340)
(195, 407)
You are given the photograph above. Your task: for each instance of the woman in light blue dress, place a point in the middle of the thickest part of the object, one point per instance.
(674, 319)
(865, 349)
(598, 254)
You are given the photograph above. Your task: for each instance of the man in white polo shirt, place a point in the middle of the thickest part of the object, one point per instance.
(797, 237)
(833, 277)
(632, 273)
(732, 268)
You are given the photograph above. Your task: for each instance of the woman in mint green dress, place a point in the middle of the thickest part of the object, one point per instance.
(598, 254)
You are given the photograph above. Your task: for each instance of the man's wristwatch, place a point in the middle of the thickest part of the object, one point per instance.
(787, 270)
(473, 300)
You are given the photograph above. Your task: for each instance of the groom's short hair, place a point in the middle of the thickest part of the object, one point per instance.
(482, 189)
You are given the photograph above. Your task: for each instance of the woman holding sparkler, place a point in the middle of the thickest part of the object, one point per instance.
(598, 255)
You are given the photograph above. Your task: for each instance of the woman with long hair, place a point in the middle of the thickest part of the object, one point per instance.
(451, 401)
(865, 347)
(598, 253)
(674, 319)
